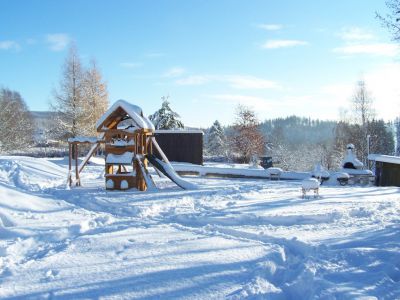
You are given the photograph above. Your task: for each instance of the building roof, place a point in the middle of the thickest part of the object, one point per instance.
(385, 158)
(179, 131)
(120, 109)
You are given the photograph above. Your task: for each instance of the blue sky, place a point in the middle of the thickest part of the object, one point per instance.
(279, 57)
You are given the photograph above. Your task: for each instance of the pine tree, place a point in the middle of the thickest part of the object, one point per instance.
(216, 140)
(95, 96)
(69, 98)
(165, 117)
(17, 126)
(381, 137)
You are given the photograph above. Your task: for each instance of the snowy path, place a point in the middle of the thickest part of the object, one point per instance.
(232, 238)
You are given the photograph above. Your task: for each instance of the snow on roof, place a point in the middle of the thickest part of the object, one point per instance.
(125, 158)
(179, 131)
(385, 158)
(134, 111)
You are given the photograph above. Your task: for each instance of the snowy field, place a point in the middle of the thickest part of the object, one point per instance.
(230, 239)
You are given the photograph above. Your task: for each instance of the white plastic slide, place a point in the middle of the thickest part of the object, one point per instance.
(168, 170)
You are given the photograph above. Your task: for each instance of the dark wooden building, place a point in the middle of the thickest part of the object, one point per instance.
(387, 169)
(181, 145)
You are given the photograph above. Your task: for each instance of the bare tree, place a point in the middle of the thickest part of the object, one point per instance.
(80, 99)
(69, 98)
(17, 126)
(363, 114)
(362, 104)
(247, 139)
(95, 96)
(392, 19)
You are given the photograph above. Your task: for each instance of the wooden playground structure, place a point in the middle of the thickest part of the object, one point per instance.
(128, 139)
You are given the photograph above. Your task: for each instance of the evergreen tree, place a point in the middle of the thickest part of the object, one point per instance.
(165, 117)
(216, 140)
(381, 137)
(17, 126)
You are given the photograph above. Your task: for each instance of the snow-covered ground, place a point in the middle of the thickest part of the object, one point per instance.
(229, 239)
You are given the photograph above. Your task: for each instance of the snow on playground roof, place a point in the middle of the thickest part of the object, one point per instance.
(385, 158)
(134, 111)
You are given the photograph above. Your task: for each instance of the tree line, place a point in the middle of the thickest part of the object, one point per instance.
(299, 143)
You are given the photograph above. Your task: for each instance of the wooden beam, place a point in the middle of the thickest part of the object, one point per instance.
(69, 164)
(88, 156)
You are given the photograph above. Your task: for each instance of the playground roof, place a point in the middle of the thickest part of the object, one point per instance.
(118, 111)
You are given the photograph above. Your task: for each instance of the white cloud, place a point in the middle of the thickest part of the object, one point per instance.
(193, 80)
(234, 81)
(131, 65)
(250, 82)
(8, 45)
(252, 101)
(174, 72)
(270, 27)
(275, 44)
(354, 34)
(58, 41)
(378, 49)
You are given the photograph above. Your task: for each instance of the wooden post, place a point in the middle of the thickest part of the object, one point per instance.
(136, 144)
(78, 182)
(140, 182)
(150, 146)
(144, 144)
(69, 164)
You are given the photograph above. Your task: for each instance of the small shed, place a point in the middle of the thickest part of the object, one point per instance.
(387, 169)
(181, 145)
